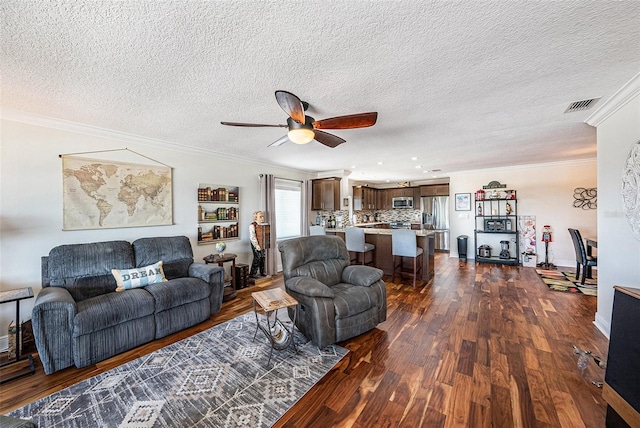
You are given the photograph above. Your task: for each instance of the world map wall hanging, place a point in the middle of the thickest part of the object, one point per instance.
(102, 194)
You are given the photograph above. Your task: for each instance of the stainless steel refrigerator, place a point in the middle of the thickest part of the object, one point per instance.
(435, 216)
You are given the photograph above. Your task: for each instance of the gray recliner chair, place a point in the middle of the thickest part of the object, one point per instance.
(337, 301)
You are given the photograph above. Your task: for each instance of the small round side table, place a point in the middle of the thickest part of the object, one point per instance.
(230, 290)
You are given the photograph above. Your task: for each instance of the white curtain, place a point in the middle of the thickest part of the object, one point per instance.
(267, 200)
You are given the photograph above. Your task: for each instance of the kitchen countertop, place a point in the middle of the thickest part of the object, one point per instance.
(371, 223)
(373, 231)
(374, 223)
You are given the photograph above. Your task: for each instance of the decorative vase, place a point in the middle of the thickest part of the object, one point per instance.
(220, 247)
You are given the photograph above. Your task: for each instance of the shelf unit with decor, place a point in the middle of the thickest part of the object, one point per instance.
(218, 215)
(497, 220)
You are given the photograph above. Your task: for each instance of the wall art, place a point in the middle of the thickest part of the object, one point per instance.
(103, 194)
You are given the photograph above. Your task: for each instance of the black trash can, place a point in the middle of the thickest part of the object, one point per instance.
(462, 247)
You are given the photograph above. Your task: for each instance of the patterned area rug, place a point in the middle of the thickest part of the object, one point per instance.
(217, 378)
(566, 281)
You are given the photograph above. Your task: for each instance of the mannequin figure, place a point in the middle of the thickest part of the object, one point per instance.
(258, 250)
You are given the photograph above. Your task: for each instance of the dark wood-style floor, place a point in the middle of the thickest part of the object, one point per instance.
(479, 346)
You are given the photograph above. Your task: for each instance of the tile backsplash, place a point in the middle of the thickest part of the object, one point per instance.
(342, 217)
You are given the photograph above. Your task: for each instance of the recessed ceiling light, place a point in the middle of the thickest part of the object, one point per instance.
(388, 181)
(418, 166)
(353, 167)
(414, 158)
(380, 163)
(425, 171)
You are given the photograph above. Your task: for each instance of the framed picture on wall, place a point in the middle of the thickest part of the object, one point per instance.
(463, 201)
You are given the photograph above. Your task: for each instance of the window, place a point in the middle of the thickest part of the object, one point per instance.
(288, 198)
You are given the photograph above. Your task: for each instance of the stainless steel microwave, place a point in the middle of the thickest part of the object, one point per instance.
(402, 202)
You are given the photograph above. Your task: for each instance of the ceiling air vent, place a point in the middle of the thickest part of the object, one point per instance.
(581, 105)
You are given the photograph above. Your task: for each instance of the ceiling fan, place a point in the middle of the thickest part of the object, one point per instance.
(303, 129)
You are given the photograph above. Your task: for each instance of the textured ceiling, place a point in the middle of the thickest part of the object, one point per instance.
(460, 85)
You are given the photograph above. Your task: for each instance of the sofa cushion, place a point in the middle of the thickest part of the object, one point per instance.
(351, 300)
(174, 251)
(109, 309)
(85, 269)
(138, 277)
(178, 292)
(86, 287)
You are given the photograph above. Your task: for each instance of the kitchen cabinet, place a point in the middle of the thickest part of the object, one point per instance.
(369, 198)
(383, 200)
(325, 194)
(434, 190)
(396, 192)
(405, 192)
(364, 198)
(416, 197)
(357, 198)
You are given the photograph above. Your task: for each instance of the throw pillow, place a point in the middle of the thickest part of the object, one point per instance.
(138, 277)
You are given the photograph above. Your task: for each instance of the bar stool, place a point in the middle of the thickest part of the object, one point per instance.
(405, 244)
(354, 237)
(317, 230)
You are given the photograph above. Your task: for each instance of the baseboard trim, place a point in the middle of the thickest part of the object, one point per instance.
(602, 324)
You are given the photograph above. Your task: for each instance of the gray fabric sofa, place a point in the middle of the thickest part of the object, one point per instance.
(80, 319)
(337, 301)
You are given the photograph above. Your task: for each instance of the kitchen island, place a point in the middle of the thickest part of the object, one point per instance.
(381, 238)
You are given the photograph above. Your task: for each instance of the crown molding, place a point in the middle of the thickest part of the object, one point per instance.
(527, 166)
(629, 91)
(94, 131)
(334, 173)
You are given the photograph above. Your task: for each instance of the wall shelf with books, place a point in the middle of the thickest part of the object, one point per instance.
(217, 213)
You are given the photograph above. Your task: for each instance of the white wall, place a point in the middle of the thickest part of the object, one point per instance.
(31, 202)
(544, 191)
(618, 128)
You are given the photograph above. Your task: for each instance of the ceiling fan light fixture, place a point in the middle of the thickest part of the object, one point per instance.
(301, 135)
(303, 129)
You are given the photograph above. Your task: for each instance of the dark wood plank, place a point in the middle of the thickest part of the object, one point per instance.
(480, 345)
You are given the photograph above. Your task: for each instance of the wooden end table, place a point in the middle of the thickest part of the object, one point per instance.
(270, 301)
(229, 291)
(16, 296)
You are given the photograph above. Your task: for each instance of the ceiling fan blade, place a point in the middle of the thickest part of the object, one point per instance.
(279, 141)
(360, 120)
(291, 105)
(254, 125)
(327, 139)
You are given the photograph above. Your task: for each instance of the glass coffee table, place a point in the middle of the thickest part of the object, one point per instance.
(270, 301)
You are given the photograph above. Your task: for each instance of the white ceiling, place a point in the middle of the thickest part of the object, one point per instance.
(461, 85)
